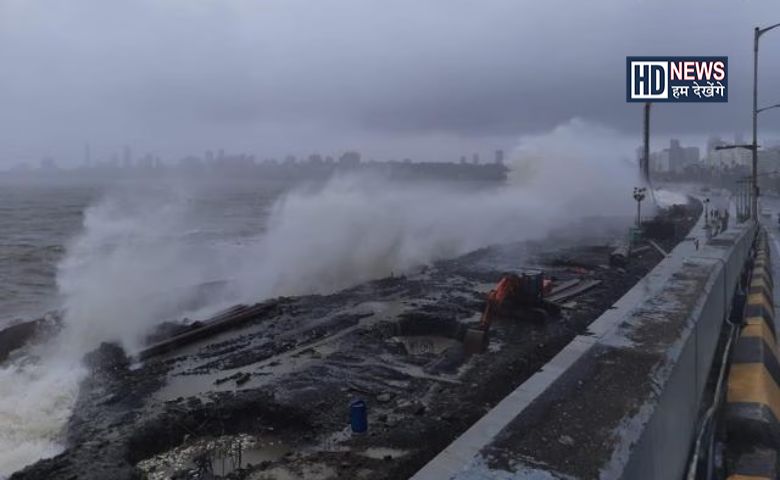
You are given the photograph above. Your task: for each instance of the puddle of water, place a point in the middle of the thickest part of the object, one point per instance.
(426, 344)
(220, 456)
(183, 385)
(191, 385)
(380, 453)
(180, 384)
(382, 310)
(263, 450)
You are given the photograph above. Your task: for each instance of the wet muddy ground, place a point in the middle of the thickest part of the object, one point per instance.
(270, 399)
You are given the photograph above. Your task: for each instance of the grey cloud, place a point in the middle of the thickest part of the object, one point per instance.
(279, 75)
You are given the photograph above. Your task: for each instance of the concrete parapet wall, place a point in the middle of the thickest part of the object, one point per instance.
(623, 400)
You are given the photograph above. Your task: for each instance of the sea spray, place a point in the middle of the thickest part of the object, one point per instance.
(36, 397)
(133, 265)
(137, 262)
(357, 227)
(140, 257)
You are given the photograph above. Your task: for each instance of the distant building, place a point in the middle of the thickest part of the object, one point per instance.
(682, 157)
(675, 159)
(717, 158)
(499, 157)
(350, 159)
(769, 160)
(659, 161)
(733, 157)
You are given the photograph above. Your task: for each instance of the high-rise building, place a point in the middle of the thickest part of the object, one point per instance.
(350, 159)
(676, 158)
(718, 158)
(500, 157)
(769, 160)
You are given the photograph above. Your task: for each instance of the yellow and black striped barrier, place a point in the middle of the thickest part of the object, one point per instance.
(753, 396)
(758, 465)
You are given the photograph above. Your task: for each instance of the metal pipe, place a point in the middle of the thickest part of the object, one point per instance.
(754, 204)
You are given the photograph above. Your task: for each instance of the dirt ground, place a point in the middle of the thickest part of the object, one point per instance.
(271, 398)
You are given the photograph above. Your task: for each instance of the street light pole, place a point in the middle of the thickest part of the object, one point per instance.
(754, 205)
(757, 32)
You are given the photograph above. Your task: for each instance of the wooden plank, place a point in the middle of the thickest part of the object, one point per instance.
(565, 285)
(572, 292)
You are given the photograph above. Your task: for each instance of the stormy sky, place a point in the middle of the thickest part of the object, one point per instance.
(427, 79)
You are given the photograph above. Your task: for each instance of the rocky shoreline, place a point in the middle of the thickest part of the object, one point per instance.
(270, 398)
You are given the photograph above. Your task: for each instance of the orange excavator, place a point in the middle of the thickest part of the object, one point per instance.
(516, 297)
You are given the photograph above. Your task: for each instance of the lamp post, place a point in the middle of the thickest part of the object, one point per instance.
(756, 35)
(639, 195)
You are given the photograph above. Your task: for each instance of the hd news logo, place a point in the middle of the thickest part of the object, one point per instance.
(677, 79)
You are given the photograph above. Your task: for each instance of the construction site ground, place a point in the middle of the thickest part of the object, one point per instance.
(270, 397)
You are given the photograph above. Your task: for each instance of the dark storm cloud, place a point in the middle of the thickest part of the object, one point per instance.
(181, 75)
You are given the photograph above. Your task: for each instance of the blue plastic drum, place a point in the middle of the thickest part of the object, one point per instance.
(358, 416)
